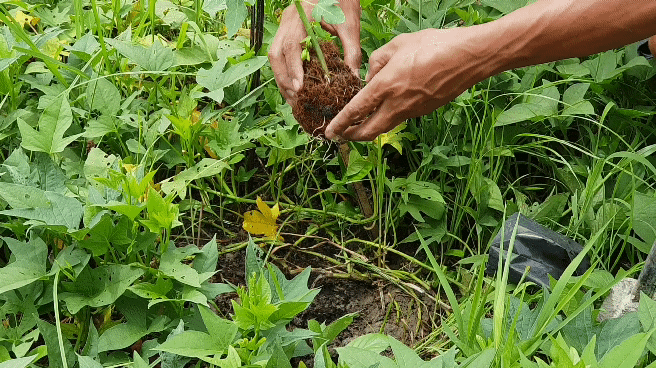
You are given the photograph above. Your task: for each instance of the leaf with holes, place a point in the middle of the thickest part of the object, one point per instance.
(171, 265)
(100, 286)
(46, 207)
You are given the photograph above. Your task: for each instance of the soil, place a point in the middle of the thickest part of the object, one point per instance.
(382, 307)
(319, 100)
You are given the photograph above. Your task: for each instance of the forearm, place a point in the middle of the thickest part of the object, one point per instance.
(550, 30)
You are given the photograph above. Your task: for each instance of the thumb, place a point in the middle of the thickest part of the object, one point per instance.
(361, 106)
(379, 59)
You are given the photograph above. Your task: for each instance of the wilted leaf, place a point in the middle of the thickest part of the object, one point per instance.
(262, 222)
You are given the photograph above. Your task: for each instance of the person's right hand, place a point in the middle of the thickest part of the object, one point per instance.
(285, 50)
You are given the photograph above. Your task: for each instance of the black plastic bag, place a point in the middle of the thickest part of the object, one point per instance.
(545, 251)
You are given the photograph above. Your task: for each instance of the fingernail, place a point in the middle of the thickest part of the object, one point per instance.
(291, 93)
(297, 84)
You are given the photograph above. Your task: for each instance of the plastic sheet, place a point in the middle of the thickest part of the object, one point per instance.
(545, 251)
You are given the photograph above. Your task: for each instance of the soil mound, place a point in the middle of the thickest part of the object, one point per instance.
(320, 100)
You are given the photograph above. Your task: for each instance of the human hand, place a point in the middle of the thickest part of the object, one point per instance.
(652, 45)
(285, 50)
(412, 75)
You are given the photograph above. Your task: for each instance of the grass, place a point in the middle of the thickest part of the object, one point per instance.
(150, 135)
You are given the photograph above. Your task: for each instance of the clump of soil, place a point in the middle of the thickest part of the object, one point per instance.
(319, 100)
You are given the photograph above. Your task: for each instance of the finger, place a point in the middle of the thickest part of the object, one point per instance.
(292, 52)
(652, 45)
(364, 103)
(279, 67)
(350, 37)
(381, 121)
(379, 59)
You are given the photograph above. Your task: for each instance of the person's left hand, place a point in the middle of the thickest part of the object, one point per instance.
(652, 45)
(410, 76)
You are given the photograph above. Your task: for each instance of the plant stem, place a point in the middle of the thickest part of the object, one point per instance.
(313, 37)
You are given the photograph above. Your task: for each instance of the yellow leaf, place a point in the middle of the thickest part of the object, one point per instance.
(54, 48)
(394, 137)
(263, 222)
(23, 19)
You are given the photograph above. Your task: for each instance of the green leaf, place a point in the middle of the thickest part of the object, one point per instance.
(18, 363)
(214, 6)
(223, 332)
(29, 266)
(574, 101)
(602, 67)
(235, 14)
(102, 95)
(647, 312)
(50, 208)
(194, 344)
(329, 12)
(100, 286)
(204, 168)
(49, 333)
(216, 79)
(644, 216)
(505, 6)
(162, 214)
(53, 123)
(278, 357)
(536, 106)
(171, 265)
(358, 166)
(88, 362)
(123, 335)
(157, 57)
(615, 331)
(206, 261)
(626, 354)
(362, 358)
(404, 356)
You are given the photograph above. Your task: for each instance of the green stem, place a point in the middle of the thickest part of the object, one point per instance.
(313, 37)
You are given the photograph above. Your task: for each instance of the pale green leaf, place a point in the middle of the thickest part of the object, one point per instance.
(53, 123)
(48, 207)
(157, 57)
(223, 331)
(172, 266)
(626, 354)
(18, 363)
(29, 266)
(204, 168)
(214, 6)
(88, 362)
(236, 13)
(100, 286)
(194, 344)
(102, 95)
(329, 12)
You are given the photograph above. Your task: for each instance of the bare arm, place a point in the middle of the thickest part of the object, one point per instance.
(416, 73)
(551, 30)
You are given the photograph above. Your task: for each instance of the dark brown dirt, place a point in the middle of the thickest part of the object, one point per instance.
(320, 100)
(382, 307)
